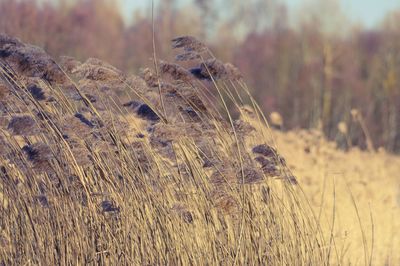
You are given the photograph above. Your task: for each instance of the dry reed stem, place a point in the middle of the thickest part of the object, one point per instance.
(186, 192)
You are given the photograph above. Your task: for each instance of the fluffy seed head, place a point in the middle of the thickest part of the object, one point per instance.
(265, 150)
(215, 69)
(149, 77)
(189, 44)
(36, 92)
(84, 120)
(249, 176)
(187, 56)
(146, 112)
(268, 166)
(233, 72)
(23, 125)
(109, 206)
(40, 155)
(175, 71)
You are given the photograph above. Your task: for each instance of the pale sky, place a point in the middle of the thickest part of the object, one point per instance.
(367, 12)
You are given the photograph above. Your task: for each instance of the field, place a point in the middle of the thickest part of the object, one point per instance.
(176, 166)
(361, 188)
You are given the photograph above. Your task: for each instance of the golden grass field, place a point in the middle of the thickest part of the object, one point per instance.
(175, 167)
(331, 177)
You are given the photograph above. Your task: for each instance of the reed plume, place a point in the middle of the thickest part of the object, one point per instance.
(189, 44)
(23, 125)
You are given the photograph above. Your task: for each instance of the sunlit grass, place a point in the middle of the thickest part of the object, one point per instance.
(90, 179)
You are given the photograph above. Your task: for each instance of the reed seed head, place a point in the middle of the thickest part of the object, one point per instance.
(23, 125)
(265, 150)
(36, 92)
(175, 71)
(189, 44)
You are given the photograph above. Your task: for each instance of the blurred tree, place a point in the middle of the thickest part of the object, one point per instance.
(209, 16)
(313, 70)
(326, 15)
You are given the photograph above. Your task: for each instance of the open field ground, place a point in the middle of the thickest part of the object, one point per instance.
(361, 188)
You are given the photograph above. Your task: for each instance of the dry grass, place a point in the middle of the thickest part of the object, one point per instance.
(94, 169)
(101, 174)
(333, 179)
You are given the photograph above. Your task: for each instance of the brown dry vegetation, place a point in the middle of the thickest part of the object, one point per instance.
(95, 168)
(101, 167)
(362, 189)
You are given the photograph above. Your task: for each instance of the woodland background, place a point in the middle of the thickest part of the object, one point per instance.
(313, 71)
